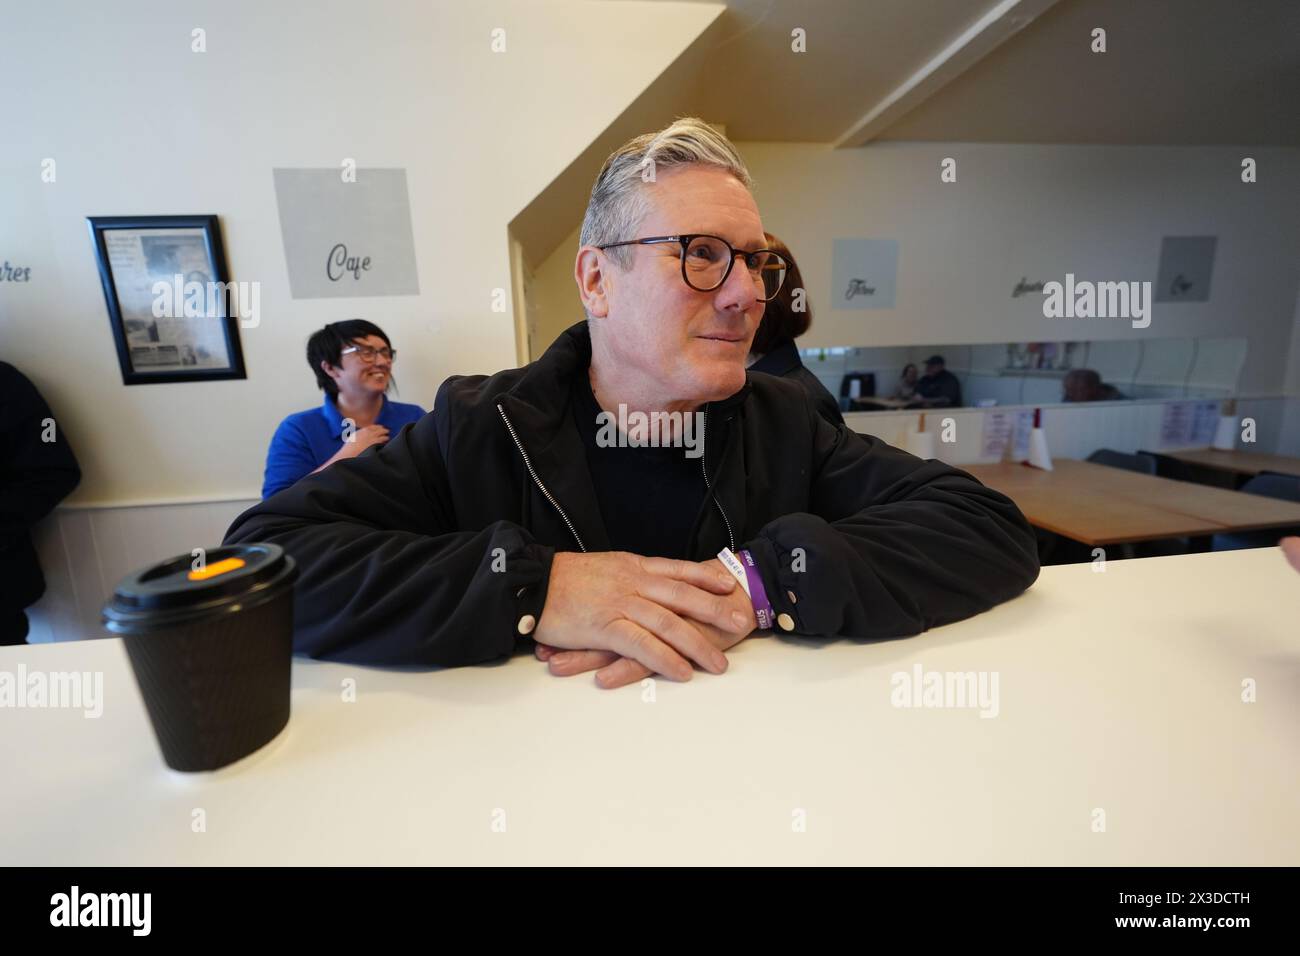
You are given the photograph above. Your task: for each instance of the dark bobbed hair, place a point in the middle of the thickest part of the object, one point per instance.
(780, 320)
(327, 345)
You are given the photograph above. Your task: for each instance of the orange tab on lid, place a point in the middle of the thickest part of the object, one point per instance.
(212, 570)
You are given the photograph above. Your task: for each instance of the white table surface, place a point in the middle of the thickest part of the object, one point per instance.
(1118, 690)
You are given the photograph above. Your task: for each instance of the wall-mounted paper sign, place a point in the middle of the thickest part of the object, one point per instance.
(1186, 266)
(1006, 434)
(346, 238)
(1189, 424)
(999, 427)
(863, 273)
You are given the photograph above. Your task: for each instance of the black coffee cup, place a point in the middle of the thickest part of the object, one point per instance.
(211, 647)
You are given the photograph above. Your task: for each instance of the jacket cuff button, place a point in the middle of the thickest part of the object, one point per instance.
(785, 622)
(527, 623)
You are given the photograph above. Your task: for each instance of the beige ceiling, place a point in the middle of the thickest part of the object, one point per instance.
(857, 53)
(1179, 72)
(1176, 71)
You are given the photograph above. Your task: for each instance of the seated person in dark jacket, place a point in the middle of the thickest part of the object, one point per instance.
(37, 471)
(786, 317)
(538, 503)
(938, 387)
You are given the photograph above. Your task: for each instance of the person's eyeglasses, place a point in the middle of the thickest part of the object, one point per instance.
(707, 262)
(367, 354)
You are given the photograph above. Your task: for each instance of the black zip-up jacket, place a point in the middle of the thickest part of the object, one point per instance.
(431, 548)
(783, 360)
(35, 475)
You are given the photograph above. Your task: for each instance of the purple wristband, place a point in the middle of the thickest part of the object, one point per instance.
(757, 593)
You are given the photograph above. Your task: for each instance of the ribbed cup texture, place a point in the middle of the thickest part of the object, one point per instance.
(217, 690)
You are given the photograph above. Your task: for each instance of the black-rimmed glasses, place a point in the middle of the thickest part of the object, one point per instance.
(707, 262)
(368, 355)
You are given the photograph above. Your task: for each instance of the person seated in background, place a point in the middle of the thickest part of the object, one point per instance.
(905, 390)
(37, 471)
(1085, 385)
(773, 350)
(353, 362)
(938, 387)
(518, 511)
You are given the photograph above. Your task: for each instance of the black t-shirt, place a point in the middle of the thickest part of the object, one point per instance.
(648, 497)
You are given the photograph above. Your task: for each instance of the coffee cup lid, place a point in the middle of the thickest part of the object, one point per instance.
(189, 587)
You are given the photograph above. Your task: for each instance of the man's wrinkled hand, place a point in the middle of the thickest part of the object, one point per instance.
(616, 670)
(650, 610)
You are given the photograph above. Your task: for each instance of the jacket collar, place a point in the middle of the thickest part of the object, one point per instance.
(538, 406)
(539, 400)
(781, 360)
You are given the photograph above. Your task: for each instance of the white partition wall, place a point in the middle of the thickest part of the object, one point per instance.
(1075, 431)
(84, 552)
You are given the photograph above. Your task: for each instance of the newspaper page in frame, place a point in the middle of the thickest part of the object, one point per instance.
(190, 335)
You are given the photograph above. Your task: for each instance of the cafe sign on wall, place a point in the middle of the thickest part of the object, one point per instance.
(864, 273)
(346, 235)
(1186, 268)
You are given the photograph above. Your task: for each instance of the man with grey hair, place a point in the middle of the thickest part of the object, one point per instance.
(534, 505)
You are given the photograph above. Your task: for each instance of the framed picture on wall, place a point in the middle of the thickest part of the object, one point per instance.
(172, 306)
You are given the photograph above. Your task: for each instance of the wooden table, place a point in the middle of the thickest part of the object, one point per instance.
(1120, 691)
(1244, 463)
(1099, 505)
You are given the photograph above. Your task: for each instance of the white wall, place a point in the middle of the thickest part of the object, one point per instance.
(1035, 211)
(1073, 431)
(1040, 211)
(139, 124)
(553, 303)
(85, 552)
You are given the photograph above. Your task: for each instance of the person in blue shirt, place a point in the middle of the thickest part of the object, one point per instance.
(353, 362)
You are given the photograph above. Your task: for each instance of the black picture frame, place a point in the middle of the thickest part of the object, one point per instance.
(186, 348)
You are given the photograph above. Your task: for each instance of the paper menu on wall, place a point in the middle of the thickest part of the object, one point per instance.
(1205, 422)
(1007, 431)
(1188, 424)
(1176, 425)
(1024, 427)
(998, 427)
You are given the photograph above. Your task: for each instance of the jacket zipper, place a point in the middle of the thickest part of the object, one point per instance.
(538, 481)
(704, 424)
